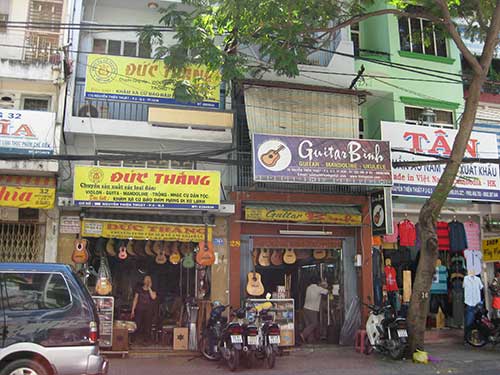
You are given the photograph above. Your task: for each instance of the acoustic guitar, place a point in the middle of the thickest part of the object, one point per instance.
(175, 255)
(289, 256)
(255, 256)
(122, 251)
(254, 287)
(206, 255)
(319, 254)
(157, 247)
(110, 247)
(270, 158)
(80, 254)
(184, 248)
(103, 285)
(161, 257)
(148, 249)
(130, 248)
(265, 257)
(277, 257)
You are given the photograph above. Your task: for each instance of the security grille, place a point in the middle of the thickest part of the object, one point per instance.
(20, 242)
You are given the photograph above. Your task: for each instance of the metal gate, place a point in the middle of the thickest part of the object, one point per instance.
(21, 242)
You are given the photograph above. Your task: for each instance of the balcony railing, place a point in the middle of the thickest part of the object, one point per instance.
(106, 109)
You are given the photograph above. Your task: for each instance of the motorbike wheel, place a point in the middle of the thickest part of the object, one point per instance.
(368, 346)
(270, 357)
(233, 361)
(205, 350)
(475, 338)
(250, 359)
(397, 351)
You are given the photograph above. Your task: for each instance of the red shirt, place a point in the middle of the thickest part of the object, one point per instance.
(407, 233)
(443, 233)
(391, 284)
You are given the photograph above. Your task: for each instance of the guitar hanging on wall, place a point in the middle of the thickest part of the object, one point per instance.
(122, 251)
(206, 255)
(103, 286)
(80, 254)
(254, 287)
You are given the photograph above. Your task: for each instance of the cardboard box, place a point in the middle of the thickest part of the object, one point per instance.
(287, 337)
(181, 338)
(120, 339)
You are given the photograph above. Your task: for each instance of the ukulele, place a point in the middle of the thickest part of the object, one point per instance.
(277, 257)
(156, 247)
(103, 285)
(319, 254)
(122, 251)
(264, 258)
(175, 255)
(130, 248)
(270, 158)
(110, 247)
(206, 255)
(289, 256)
(161, 257)
(148, 249)
(80, 254)
(254, 287)
(188, 261)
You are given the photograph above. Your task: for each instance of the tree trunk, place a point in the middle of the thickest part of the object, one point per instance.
(419, 304)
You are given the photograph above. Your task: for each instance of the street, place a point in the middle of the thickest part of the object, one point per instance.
(450, 359)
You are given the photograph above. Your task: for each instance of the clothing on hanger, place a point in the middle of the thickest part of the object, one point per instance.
(443, 234)
(391, 284)
(458, 239)
(392, 238)
(407, 233)
(472, 290)
(473, 234)
(474, 261)
(440, 281)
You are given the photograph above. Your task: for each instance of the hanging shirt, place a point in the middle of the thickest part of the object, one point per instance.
(391, 284)
(458, 239)
(440, 281)
(472, 290)
(473, 233)
(392, 238)
(407, 233)
(474, 261)
(443, 234)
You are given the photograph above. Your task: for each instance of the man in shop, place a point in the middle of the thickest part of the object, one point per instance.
(143, 309)
(311, 308)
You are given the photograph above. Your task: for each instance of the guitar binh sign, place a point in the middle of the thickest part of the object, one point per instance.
(316, 160)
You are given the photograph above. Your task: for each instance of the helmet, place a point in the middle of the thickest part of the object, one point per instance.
(216, 304)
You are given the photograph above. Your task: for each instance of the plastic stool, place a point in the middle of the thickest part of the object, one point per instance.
(359, 341)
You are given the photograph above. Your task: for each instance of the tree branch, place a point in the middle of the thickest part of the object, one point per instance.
(491, 40)
(455, 35)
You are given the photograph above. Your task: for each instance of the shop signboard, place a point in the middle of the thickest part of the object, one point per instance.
(381, 211)
(27, 191)
(315, 160)
(261, 213)
(475, 181)
(69, 225)
(96, 186)
(491, 249)
(27, 132)
(134, 79)
(144, 231)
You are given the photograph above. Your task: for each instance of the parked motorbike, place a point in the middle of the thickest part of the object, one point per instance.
(483, 330)
(385, 332)
(222, 339)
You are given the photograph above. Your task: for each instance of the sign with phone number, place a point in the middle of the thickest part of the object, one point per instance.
(491, 250)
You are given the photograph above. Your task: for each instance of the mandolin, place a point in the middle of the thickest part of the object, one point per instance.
(148, 249)
(175, 255)
(289, 256)
(80, 254)
(254, 287)
(265, 257)
(277, 257)
(206, 255)
(319, 254)
(271, 157)
(122, 251)
(110, 247)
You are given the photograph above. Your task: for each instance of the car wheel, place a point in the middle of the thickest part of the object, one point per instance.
(24, 367)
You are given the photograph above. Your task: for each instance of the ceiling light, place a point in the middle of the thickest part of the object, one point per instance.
(305, 232)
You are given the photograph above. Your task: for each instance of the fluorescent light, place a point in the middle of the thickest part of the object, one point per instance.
(305, 232)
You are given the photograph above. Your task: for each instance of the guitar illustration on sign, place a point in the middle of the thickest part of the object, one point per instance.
(271, 157)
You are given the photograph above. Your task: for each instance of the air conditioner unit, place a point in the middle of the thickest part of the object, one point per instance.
(94, 111)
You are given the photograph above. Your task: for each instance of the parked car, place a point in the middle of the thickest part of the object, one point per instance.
(48, 322)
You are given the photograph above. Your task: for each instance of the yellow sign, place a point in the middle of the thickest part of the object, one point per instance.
(27, 191)
(299, 216)
(145, 80)
(491, 250)
(146, 188)
(145, 231)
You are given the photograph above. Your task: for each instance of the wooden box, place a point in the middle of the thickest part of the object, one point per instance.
(287, 337)
(120, 339)
(181, 338)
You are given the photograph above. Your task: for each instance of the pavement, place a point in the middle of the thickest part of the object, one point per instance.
(450, 358)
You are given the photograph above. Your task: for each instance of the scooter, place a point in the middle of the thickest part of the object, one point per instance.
(222, 339)
(483, 330)
(385, 332)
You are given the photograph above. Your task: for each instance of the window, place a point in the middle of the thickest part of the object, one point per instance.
(36, 104)
(355, 38)
(361, 128)
(421, 36)
(36, 291)
(4, 15)
(115, 47)
(120, 48)
(443, 118)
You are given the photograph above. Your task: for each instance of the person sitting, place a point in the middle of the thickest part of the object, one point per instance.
(143, 309)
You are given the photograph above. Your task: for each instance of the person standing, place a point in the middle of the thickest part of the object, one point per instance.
(495, 292)
(143, 309)
(311, 308)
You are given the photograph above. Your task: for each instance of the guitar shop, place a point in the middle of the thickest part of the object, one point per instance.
(287, 245)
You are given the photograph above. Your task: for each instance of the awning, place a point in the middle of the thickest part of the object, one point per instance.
(320, 214)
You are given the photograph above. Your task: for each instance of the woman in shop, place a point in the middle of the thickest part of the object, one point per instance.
(143, 310)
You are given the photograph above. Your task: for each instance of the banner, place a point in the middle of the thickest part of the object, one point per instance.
(146, 188)
(299, 216)
(27, 191)
(144, 80)
(475, 181)
(381, 209)
(491, 250)
(313, 160)
(144, 231)
(27, 132)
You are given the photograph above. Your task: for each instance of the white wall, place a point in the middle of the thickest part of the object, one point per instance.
(18, 12)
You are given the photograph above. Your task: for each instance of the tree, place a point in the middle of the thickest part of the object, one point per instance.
(217, 33)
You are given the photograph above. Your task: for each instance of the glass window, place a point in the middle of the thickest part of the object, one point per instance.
(99, 46)
(115, 47)
(36, 104)
(144, 50)
(421, 36)
(429, 42)
(36, 291)
(404, 34)
(355, 38)
(416, 35)
(130, 49)
(412, 116)
(4, 15)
